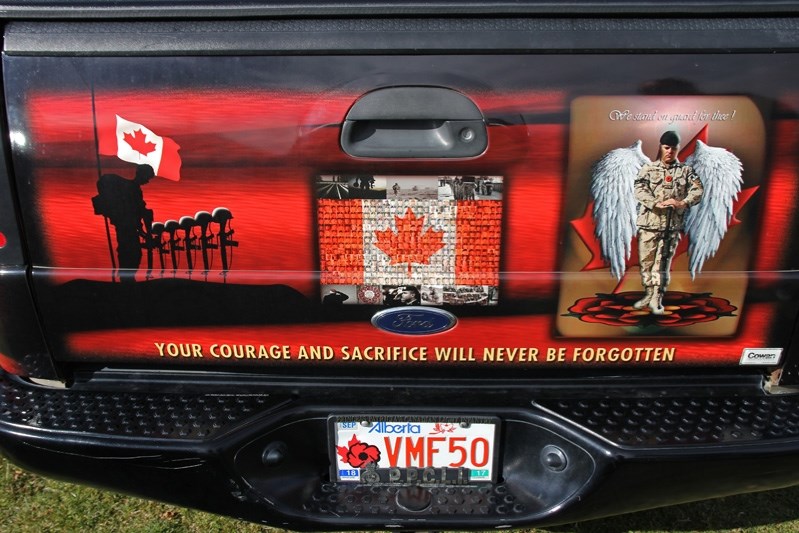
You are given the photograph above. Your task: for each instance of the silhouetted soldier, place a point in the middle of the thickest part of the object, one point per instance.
(335, 297)
(121, 201)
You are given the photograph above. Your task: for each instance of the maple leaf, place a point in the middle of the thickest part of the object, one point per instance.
(442, 428)
(411, 243)
(138, 141)
(343, 451)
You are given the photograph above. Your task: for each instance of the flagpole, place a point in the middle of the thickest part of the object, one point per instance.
(99, 175)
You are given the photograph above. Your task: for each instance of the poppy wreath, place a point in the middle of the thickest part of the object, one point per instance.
(682, 309)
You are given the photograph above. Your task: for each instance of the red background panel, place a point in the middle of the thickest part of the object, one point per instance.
(258, 153)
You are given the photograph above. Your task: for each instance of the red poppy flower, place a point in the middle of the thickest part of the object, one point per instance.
(668, 179)
(358, 454)
(681, 309)
(362, 454)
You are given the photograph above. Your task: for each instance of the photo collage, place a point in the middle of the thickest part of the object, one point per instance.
(409, 240)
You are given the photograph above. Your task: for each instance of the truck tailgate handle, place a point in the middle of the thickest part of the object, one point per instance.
(414, 122)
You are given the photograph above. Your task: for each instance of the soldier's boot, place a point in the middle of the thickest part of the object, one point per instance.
(656, 303)
(643, 302)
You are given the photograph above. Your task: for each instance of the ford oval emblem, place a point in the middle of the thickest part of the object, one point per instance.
(414, 320)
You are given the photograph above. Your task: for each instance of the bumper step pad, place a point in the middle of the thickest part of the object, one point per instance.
(683, 421)
(381, 501)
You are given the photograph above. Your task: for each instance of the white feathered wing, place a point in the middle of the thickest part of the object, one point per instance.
(706, 223)
(615, 206)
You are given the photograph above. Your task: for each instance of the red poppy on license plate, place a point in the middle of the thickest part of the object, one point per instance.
(435, 451)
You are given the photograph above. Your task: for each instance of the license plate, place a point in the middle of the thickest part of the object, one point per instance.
(414, 450)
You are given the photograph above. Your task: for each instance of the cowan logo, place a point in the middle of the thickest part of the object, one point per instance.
(414, 320)
(761, 356)
(396, 429)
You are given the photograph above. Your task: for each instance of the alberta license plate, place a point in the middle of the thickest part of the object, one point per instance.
(414, 450)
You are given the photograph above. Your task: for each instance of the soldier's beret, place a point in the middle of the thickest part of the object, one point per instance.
(670, 138)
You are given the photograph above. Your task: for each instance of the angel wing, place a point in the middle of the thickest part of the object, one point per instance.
(706, 223)
(615, 206)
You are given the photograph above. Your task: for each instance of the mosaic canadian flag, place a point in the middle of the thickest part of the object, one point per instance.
(411, 241)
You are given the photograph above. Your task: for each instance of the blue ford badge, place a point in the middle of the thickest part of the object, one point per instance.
(414, 320)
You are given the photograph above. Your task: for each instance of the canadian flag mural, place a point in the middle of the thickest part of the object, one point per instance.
(135, 143)
(437, 242)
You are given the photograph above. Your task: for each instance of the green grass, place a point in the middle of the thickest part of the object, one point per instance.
(30, 503)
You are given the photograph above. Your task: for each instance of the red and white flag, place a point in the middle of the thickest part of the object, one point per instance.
(137, 144)
(419, 242)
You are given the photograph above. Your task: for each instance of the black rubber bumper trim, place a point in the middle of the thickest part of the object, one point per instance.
(694, 421)
(626, 421)
(169, 415)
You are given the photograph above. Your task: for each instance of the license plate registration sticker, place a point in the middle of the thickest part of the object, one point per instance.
(395, 449)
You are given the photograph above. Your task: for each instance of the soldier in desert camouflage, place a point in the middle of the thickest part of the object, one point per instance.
(664, 189)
